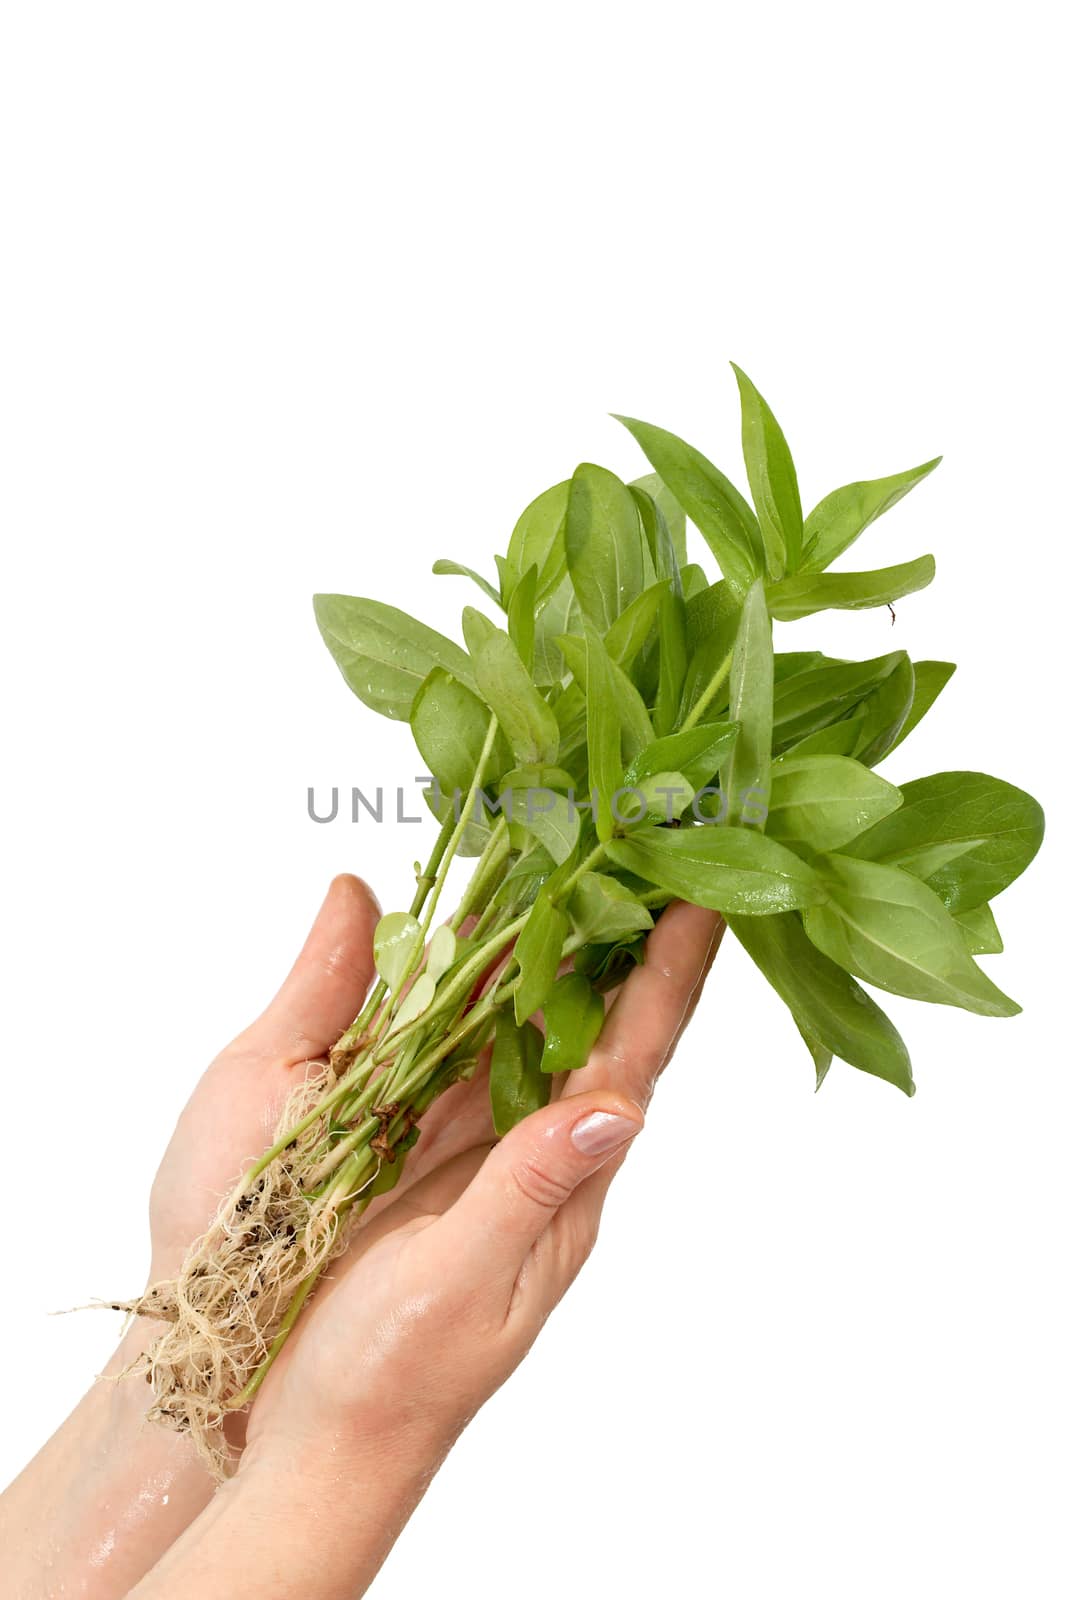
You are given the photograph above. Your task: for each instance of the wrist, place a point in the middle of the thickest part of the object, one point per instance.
(126, 1491)
(296, 1522)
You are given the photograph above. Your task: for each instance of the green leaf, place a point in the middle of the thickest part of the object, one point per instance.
(926, 860)
(450, 725)
(383, 653)
(521, 617)
(560, 614)
(820, 1055)
(673, 516)
(827, 1004)
(839, 739)
(634, 722)
(980, 932)
(508, 689)
(517, 1086)
(477, 629)
(602, 734)
(632, 627)
(723, 868)
(772, 479)
(709, 500)
(604, 910)
(538, 951)
(954, 806)
(537, 778)
(711, 620)
(840, 519)
(790, 663)
(456, 569)
(441, 952)
(693, 580)
(549, 817)
(418, 999)
(804, 594)
(653, 487)
(604, 544)
(747, 770)
(508, 579)
(574, 1016)
(697, 753)
(824, 801)
(930, 678)
(883, 713)
(661, 797)
(538, 539)
(522, 884)
(891, 930)
(673, 650)
(397, 938)
(607, 965)
(808, 701)
(673, 662)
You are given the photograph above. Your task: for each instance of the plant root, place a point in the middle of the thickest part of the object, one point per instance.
(227, 1303)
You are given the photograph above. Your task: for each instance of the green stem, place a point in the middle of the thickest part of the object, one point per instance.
(485, 922)
(288, 1321)
(427, 903)
(354, 1160)
(486, 875)
(425, 882)
(293, 1310)
(464, 817)
(459, 984)
(341, 1091)
(706, 698)
(592, 860)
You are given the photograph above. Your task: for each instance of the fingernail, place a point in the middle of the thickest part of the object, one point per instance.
(595, 1135)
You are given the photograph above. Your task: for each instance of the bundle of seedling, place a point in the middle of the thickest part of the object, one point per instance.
(618, 731)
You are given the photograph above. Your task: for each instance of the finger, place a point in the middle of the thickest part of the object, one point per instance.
(525, 1180)
(563, 1249)
(329, 979)
(653, 1005)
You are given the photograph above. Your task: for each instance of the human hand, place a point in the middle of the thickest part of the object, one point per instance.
(443, 1289)
(127, 1491)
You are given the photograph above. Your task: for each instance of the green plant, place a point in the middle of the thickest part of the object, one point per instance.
(624, 735)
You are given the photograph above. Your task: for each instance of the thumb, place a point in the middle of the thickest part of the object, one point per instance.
(528, 1176)
(329, 980)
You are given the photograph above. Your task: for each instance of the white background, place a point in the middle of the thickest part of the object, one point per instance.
(301, 297)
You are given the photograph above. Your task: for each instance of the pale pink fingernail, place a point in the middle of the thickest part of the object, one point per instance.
(595, 1135)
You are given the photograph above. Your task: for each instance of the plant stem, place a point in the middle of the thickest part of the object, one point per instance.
(706, 698)
(592, 860)
(486, 875)
(293, 1310)
(464, 817)
(340, 1091)
(460, 983)
(424, 883)
(431, 887)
